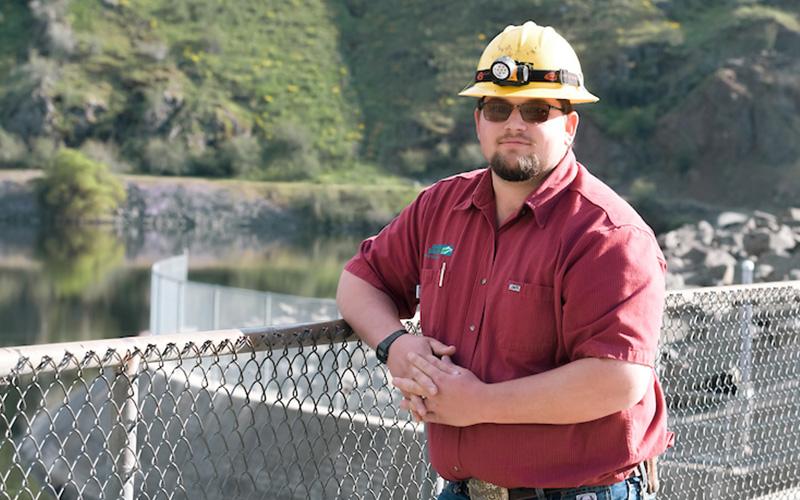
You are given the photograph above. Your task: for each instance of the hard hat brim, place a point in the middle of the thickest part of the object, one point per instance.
(572, 94)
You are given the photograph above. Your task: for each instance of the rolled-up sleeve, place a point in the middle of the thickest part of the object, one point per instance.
(389, 261)
(613, 295)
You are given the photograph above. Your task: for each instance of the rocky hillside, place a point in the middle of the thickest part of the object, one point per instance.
(714, 253)
(699, 101)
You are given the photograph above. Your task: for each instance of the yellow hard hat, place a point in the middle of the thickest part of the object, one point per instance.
(529, 61)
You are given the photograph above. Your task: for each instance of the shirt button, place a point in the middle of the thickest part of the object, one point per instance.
(483, 281)
(455, 468)
(472, 328)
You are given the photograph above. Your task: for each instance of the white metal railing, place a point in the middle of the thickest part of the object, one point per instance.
(180, 305)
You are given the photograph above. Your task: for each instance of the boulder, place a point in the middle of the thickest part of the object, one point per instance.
(705, 232)
(757, 242)
(792, 217)
(726, 219)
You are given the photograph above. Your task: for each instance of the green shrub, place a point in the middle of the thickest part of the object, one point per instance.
(290, 155)
(43, 150)
(241, 156)
(76, 189)
(12, 150)
(166, 157)
(106, 153)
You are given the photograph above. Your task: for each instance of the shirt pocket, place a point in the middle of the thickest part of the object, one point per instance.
(526, 327)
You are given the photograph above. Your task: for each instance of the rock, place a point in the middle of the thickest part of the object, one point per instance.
(675, 264)
(781, 266)
(716, 257)
(162, 104)
(696, 256)
(784, 240)
(757, 242)
(792, 216)
(679, 241)
(764, 220)
(705, 231)
(763, 272)
(761, 241)
(703, 254)
(720, 266)
(154, 49)
(730, 242)
(675, 281)
(726, 219)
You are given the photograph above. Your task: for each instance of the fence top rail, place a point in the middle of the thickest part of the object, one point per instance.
(689, 292)
(106, 353)
(112, 352)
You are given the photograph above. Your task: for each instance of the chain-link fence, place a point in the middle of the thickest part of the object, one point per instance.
(306, 412)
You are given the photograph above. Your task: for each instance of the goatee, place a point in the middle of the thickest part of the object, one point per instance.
(523, 168)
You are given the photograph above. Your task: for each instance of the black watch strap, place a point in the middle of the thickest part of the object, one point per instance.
(382, 350)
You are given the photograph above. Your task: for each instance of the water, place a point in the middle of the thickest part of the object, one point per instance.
(91, 283)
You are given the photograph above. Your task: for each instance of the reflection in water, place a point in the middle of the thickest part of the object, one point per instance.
(80, 285)
(78, 260)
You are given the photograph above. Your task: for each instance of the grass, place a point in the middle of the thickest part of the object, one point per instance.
(335, 92)
(266, 62)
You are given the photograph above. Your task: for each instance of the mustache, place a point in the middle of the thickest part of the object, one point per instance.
(515, 138)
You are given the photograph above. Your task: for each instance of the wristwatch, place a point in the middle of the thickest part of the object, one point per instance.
(382, 350)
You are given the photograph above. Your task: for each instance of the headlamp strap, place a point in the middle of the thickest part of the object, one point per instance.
(562, 76)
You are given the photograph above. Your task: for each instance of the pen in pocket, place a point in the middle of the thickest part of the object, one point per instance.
(441, 274)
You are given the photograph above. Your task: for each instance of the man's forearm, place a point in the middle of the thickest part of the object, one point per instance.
(370, 312)
(584, 390)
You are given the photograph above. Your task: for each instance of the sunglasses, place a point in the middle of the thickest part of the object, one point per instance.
(498, 110)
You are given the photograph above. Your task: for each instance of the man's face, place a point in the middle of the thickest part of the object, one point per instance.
(518, 150)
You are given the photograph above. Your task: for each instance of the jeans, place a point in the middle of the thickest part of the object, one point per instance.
(629, 489)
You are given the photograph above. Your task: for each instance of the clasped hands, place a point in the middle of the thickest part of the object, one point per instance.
(434, 388)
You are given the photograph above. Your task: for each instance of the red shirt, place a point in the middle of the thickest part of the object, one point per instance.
(576, 273)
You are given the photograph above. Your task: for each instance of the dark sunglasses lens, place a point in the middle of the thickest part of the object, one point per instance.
(497, 111)
(534, 113)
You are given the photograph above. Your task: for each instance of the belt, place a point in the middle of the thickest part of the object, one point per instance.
(482, 490)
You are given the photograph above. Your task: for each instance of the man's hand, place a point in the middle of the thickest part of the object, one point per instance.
(400, 366)
(456, 397)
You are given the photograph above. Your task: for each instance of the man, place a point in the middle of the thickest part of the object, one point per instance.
(540, 294)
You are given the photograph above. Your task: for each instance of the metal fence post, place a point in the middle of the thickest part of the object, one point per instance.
(125, 394)
(746, 360)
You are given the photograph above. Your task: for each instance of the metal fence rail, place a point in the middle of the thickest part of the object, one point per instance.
(306, 412)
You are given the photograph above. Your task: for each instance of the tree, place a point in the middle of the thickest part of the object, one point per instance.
(76, 189)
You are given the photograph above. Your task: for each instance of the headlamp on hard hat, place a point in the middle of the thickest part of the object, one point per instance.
(505, 71)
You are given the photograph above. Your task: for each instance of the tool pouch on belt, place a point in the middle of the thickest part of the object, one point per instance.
(651, 467)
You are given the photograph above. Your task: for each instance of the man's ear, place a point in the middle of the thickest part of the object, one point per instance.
(477, 116)
(571, 127)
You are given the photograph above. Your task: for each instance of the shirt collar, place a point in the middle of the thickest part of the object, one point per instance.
(540, 201)
(482, 195)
